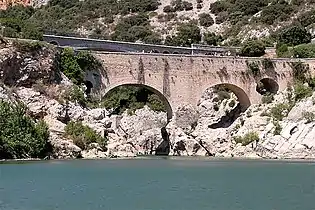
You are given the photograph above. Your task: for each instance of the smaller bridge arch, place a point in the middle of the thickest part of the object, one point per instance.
(267, 85)
(165, 101)
(240, 93)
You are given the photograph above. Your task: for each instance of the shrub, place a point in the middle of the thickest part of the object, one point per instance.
(155, 103)
(199, 6)
(212, 39)
(300, 71)
(276, 11)
(83, 135)
(130, 97)
(304, 51)
(70, 67)
(222, 16)
(28, 46)
(188, 33)
(253, 48)
(294, 35)
(168, 9)
(277, 129)
(77, 95)
(308, 116)
(253, 67)
(267, 64)
(283, 51)
(267, 99)
(20, 136)
(302, 91)
(205, 20)
(280, 111)
(218, 6)
(247, 138)
(187, 5)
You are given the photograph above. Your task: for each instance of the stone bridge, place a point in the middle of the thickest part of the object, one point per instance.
(182, 79)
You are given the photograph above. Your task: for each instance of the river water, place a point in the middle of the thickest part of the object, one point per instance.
(157, 184)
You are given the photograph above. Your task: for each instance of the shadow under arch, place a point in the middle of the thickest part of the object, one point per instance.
(166, 103)
(267, 85)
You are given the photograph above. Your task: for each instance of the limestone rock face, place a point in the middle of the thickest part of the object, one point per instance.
(64, 148)
(210, 129)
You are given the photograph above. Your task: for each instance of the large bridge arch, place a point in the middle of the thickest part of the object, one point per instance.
(167, 104)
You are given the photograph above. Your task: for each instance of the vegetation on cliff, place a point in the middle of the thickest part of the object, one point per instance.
(132, 21)
(20, 136)
(83, 135)
(132, 98)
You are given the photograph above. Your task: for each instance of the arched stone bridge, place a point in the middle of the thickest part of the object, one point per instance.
(182, 79)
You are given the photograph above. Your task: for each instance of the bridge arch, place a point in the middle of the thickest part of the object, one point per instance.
(240, 93)
(267, 85)
(167, 104)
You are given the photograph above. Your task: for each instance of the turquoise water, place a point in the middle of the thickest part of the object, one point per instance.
(157, 184)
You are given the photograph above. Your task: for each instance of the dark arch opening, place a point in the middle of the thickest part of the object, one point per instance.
(267, 86)
(175, 52)
(233, 106)
(89, 86)
(54, 43)
(166, 52)
(155, 51)
(139, 95)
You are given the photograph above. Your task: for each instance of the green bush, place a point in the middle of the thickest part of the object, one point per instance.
(253, 48)
(276, 11)
(168, 9)
(132, 98)
(300, 72)
(20, 136)
(77, 95)
(188, 33)
(247, 138)
(302, 91)
(73, 65)
(294, 35)
(70, 67)
(28, 46)
(253, 67)
(277, 130)
(308, 116)
(212, 39)
(205, 20)
(222, 16)
(280, 111)
(304, 51)
(83, 135)
(267, 99)
(283, 51)
(267, 64)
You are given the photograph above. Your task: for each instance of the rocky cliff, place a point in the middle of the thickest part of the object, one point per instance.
(216, 128)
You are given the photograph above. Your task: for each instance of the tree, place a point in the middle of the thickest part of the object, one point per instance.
(20, 136)
(294, 35)
(70, 67)
(253, 48)
(212, 39)
(188, 33)
(304, 51)
(206, 20)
